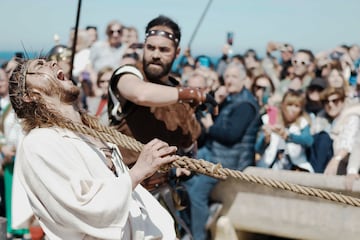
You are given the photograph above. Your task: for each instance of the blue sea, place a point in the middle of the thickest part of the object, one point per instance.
(7, 55)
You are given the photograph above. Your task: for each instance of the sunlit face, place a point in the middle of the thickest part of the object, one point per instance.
(286, 55)
(104, 81)
(125, 35)
(159, 55)
(234, 79)
(4, 84)
(333, 105)
(354, 52)
(301, 63)
(93, 35)
(115, 35)
(335, 79)
(130, 36)
(314, 93)
(48, 78)
(251, 63)
(10, 67)
(291, 110)
(197, 81)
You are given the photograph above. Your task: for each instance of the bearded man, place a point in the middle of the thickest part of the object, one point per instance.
(146, 102)
(71, 168)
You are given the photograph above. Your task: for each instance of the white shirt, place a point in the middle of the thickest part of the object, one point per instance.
(295, 151)
(103, 55)
(76, 196)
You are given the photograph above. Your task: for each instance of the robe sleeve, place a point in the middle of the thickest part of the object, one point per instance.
(67, 182)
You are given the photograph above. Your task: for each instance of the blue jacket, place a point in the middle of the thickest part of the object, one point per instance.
(234, 131)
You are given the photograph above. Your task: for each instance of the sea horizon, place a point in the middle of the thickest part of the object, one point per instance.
(8, 55)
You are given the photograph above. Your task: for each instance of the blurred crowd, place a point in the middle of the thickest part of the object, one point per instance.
(307, 114)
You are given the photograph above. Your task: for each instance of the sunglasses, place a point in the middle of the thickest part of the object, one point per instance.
(115, 31)
(104, 81)
(298, 62)
(131, 55)
(334, 101)
(258, 87)
(297, 92)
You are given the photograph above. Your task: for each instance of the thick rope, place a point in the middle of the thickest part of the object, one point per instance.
(207, 168)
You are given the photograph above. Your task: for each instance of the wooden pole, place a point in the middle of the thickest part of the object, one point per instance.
(199, 23)
(75, 41)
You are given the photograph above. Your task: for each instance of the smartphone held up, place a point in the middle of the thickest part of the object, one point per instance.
(230, 38)
(272, 113)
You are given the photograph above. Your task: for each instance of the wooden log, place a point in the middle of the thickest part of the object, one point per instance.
(260, 209)
(294, 218)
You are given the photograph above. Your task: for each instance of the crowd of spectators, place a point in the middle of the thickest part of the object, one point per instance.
(301, 113)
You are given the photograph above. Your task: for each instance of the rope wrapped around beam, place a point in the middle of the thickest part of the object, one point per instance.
(208, 168)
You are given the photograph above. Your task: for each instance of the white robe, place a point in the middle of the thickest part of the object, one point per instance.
(76, 196)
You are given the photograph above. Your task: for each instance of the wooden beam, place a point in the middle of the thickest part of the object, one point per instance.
(260, 209)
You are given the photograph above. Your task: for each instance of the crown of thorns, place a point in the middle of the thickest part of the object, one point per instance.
(21, 80)
(163, 34)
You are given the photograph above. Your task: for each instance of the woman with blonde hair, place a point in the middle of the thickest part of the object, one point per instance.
(282, 142)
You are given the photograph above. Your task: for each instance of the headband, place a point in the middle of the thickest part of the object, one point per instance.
(163, 34)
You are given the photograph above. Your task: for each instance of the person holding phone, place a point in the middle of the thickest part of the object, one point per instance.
(263, 89)
(286, 53)
(283, 145)
(230, 41)
(228, 56)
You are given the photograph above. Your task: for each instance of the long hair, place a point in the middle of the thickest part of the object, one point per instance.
(32, 113)
(37, 114)
(294, 97)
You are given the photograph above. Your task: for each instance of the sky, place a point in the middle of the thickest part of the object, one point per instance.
(314, 24)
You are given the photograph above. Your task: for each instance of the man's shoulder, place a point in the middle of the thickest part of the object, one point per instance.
(122, 71)
(98, 45)
(39, 137)
(45, 134)
(128, 69)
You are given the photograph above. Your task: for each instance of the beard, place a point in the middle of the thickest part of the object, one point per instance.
(155, 74)
(67, 94)
(70, 95)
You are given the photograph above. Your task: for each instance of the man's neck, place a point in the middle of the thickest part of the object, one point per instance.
(115, 45)
(71, 113)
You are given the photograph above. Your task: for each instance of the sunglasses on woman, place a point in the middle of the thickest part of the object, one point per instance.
(300, 62)
(335, 101)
